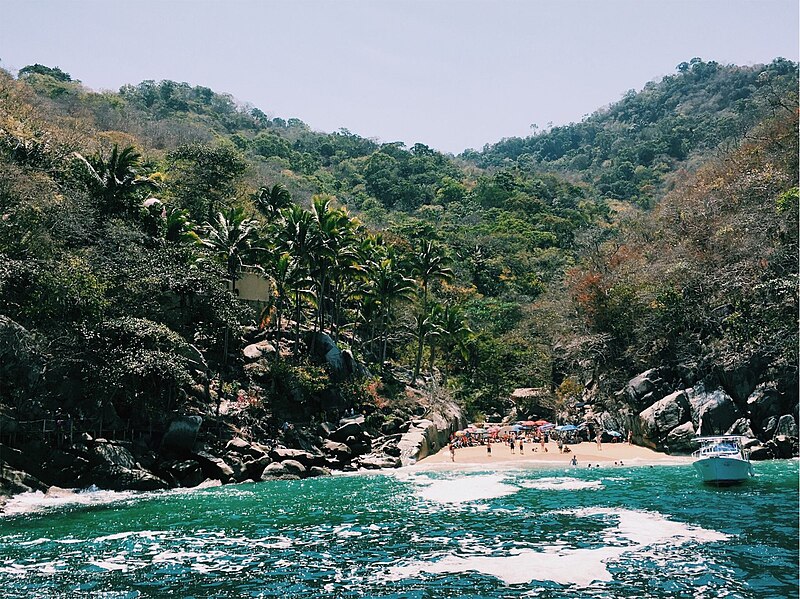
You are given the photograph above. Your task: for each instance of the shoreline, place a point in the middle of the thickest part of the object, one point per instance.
(611, 455)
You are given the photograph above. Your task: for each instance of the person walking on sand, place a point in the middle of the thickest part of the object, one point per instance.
(599, 438)
(511, 443)
(574, 460)
(452, 452)
(630, 437)
(520, 447)
(489, 447)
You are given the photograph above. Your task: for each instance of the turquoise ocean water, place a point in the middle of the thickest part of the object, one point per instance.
(610, 532)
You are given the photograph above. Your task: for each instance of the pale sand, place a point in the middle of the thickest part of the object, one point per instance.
(586, 453)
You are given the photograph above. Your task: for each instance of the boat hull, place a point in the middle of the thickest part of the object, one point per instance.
(723, 470)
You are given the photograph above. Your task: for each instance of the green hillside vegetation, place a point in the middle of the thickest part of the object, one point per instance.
(128, 217)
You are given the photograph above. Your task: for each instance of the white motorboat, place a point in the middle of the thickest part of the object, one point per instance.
(722, 460)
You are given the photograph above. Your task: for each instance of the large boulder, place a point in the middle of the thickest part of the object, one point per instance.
(111, 454)
(14, 481)
(182, 434)
(644, 389)
(420, 440)
(119, 478)
(764, 403)
(713, 412)
(681, 439)
(378, 462)
(339, 451)
(186, 473)
(656, 422)
(326, 348)
(293, 467)
(742, 428)
(307, 459)
(353, 427)
(786, 426)
(256, 351)
(213, 467)
(277, 471)
(255, 467)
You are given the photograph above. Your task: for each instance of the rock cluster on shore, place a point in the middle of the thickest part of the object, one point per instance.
(182, 461)
(668, 418)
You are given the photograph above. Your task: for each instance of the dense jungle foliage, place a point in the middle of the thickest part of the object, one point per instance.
(661, 229)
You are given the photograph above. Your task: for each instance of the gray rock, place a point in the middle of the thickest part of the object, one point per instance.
(238, 445)
(238, 466)
(377, 462)
(182, 433)
(118, 478)
(256, 351)
(681, 439)
(644, 383)
(764, 403)
(277, 471)
(14, 481)
(742, 428)
(213, 467)
(318, 471)
(294, 467)
(786, 426)
(420, 441)
(281, 454)
(112, 455)
(256, 466)
(350, 428)
(340, 451)
(762, 453)
(656, 422)
(713, 412)
(187, 473)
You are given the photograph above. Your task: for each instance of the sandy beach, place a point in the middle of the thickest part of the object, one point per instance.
(586, 453)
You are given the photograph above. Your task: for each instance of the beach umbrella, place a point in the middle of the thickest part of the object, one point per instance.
(614, 433)
(478, 431)
(540, 423)
(546, 427)
(528, 423)
(460, 433)
(567, 427)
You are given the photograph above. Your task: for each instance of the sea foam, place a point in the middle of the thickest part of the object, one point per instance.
(464, 489)
(562, 564)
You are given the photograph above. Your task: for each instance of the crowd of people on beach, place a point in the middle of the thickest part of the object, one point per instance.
(533, 440)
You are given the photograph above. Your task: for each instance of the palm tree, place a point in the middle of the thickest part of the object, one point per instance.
(179, 228)
(453, 333)
(231, 238)
(116, 180)
(297, 239)
(429, 264)
(387, 286)
(271, 201)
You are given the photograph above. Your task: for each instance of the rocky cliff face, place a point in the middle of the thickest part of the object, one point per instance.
(667, 418)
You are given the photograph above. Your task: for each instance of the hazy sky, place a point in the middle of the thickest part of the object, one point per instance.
(452, 74)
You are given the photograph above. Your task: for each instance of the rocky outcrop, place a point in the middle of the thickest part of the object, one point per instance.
(657, 421)
(14, 481)
(421, 440)
(713, 412)
(213, 467)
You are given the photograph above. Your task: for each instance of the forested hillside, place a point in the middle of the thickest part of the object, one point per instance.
(661, 230)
